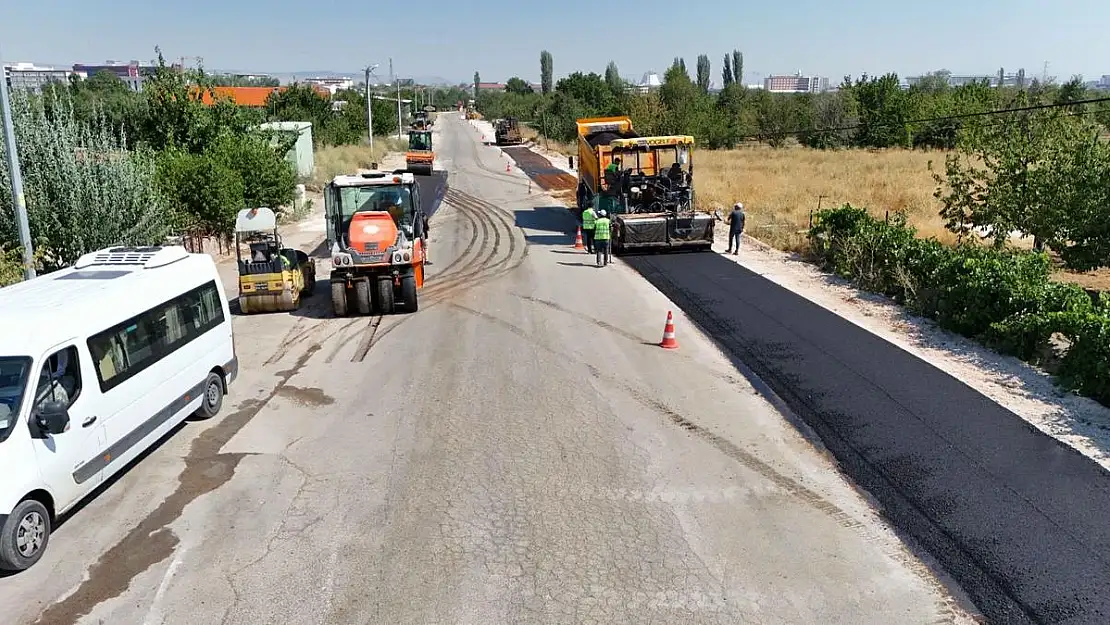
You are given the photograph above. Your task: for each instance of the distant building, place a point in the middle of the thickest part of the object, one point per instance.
(331, 83)
(650, 82)
(795, 83)
(33, 77)
(131, 74)
(491, 86)
(1017, 79)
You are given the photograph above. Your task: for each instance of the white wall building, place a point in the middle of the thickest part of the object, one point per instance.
(33, 77)
(331, 83)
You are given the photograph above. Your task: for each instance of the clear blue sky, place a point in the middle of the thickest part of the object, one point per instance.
(438, 38)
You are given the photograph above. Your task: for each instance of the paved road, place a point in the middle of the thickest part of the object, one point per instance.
(1018, 518)
(518, 451)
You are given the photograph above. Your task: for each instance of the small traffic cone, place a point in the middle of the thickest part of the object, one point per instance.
(578, 240)
(508, 168)
(669, 341)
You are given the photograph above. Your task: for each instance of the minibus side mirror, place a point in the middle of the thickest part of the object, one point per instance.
(53, 417)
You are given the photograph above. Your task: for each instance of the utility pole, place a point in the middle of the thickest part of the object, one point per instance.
(396, 81)
(370, 108)
(19, 203)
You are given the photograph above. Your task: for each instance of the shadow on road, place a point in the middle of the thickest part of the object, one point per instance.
(546, 219)
(593, 264)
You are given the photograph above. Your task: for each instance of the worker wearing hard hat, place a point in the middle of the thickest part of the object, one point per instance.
(735, 228)
(589, 218)
(602, 234)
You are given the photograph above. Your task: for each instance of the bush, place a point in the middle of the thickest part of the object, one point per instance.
(84, 190)
(1002, 297)
(11, 266)
(203, 191)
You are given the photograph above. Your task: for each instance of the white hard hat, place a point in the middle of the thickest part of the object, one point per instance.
(739, 205)
(600, 213)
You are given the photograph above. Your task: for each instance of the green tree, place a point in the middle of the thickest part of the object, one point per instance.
(477, 83)
(229, 80)
(1077, 181)
(84, 190)
(205, 190)
(703, 73)
(589, 89)
(518, 86)
(833, 114)
(1006, 177)
(613, 78)
(737, 67)
(726, 72)
(546, 69)
(683, 102)
(884, 112)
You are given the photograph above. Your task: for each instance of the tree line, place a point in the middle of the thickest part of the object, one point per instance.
(1029, 158)
(105, 165)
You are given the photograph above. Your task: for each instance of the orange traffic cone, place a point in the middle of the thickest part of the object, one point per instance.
(578, 240)
(669, 341)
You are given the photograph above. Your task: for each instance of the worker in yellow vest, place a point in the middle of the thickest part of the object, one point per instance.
(589, 216)
(602, 234)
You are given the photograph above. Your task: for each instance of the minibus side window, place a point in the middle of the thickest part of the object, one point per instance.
(126, 349)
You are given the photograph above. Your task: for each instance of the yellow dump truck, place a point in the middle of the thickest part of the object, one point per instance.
(644, 183)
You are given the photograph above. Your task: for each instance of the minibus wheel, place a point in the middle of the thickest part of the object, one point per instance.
(213, 398)
(24, 535)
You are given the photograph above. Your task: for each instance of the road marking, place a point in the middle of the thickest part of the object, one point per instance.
(155, 609)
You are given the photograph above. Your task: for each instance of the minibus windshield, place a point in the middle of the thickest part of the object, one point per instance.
(14, 372)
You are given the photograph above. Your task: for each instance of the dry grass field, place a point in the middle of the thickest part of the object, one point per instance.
(345, 159)
(780, 187)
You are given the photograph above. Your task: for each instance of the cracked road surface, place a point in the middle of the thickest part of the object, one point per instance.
(518, 451)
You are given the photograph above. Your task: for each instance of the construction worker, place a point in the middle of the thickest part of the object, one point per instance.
(589, 217)
(735, 228)
(602, 232)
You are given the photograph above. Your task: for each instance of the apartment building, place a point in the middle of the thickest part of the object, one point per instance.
(795, 83)
(33, 77)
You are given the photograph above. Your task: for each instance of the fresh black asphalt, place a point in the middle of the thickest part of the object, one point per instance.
(1019, 520)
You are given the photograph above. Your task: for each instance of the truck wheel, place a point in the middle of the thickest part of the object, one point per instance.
(339, 299)
(362, 296)
(408, 294)
(385, 296)
(24, 536)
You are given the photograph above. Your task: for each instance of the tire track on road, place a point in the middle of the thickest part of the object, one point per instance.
(483, 259)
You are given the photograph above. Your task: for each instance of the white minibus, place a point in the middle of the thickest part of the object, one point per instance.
(97, 362)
